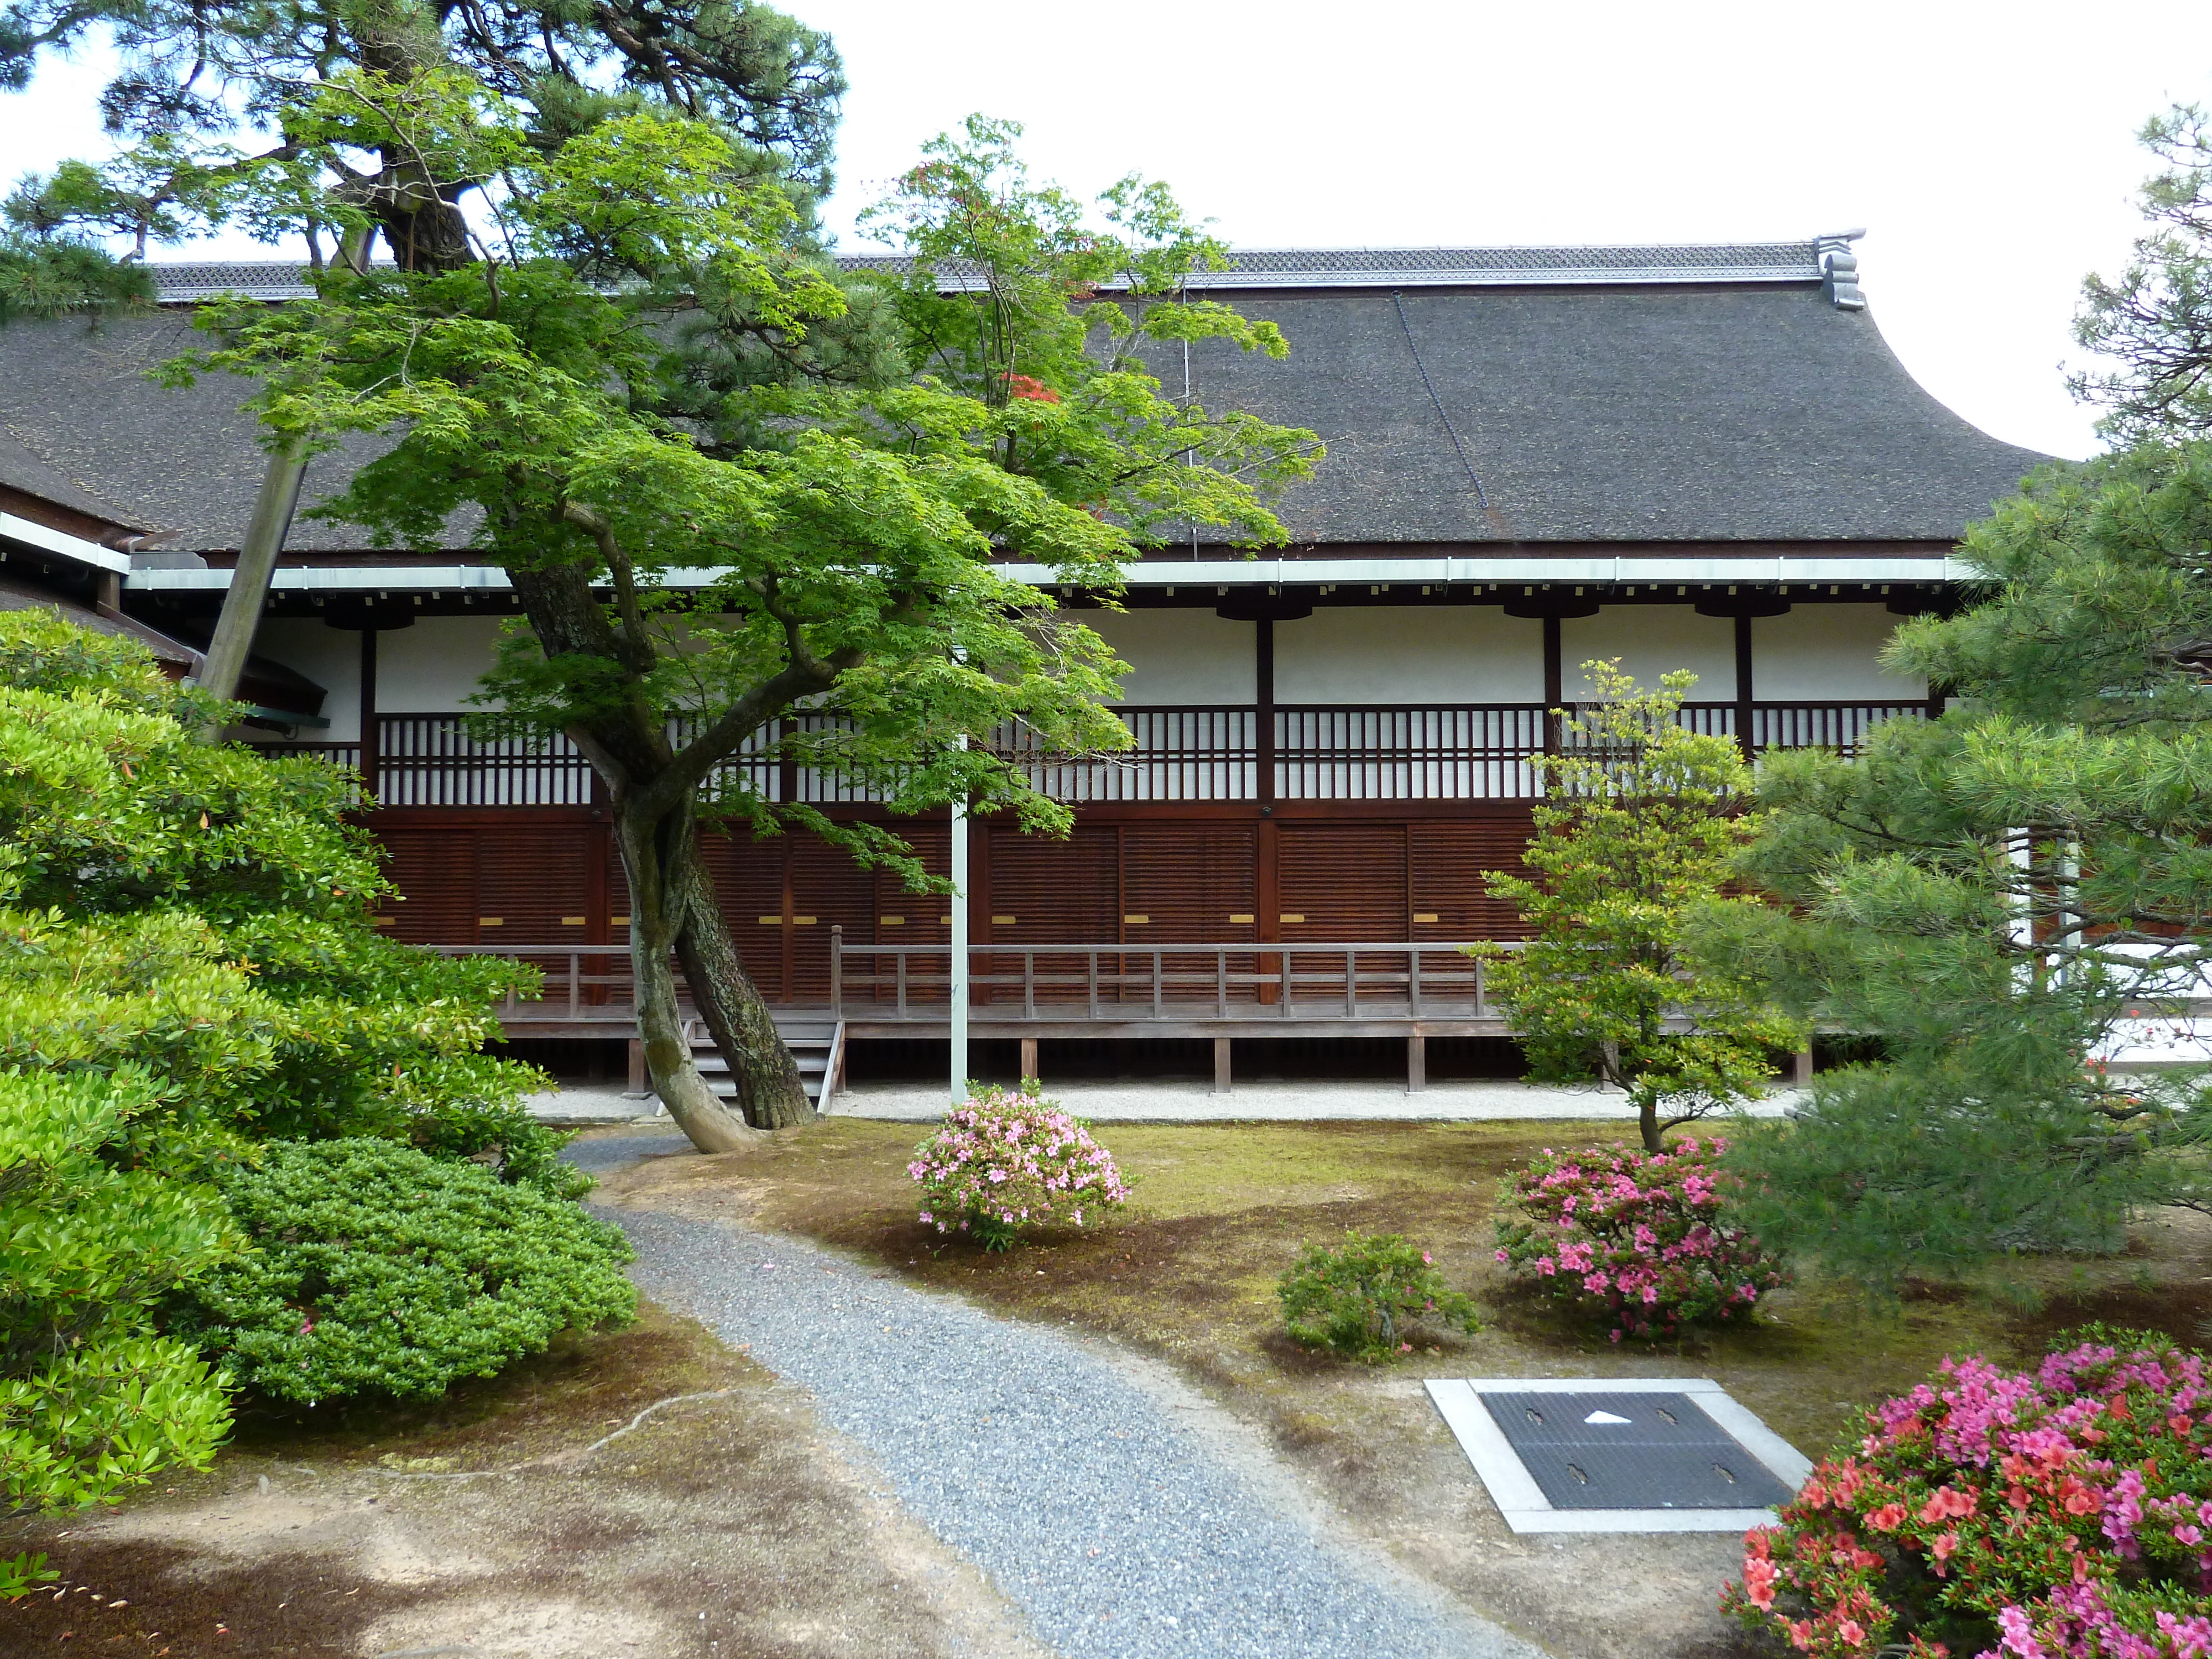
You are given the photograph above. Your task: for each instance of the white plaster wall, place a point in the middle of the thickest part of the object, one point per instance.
(433, 667)
(1651, 640)
(1409, 653)
(329, 656)
(1179, 656)
(1828, 653)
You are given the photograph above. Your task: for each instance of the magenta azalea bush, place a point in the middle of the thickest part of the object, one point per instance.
(1006, 1161)
(2063, 1513)
(1637, 1238)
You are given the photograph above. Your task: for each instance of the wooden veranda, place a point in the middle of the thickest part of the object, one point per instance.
(1405, 990)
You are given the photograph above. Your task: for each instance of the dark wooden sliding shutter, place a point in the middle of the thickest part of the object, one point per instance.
(1190, 883)
(827, 888)
(532, 888)
(1342, 883)
(617, 897)
(1045, 890)
(903, 916)
(748, 882)
(1450, 860)
(436, 874)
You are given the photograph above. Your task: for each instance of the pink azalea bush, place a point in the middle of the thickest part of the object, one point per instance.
(1638, 1237)
(1006, 1161)
(2063, 1513)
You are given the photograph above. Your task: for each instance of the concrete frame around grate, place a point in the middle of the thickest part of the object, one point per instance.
(1521, 1502)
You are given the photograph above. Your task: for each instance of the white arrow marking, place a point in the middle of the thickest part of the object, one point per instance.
(1603, 1416)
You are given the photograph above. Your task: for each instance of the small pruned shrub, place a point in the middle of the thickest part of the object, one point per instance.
(1008, 1162)
(379, 1270)
(2062, 1513)
(1640, 1239)
(1363, 1299)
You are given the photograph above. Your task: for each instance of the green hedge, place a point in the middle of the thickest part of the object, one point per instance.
(382, 1270)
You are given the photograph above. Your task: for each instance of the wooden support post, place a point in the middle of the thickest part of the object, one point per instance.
(1222, 1081)
(1746, 715)
(371, 768)
(1802, 1070)
(1417, 1064)
(1555, 675)
(637, 1084)
(1029, 1058)
(1267, 886)
(1263, 711)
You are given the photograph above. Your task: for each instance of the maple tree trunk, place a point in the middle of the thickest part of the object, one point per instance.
(770, 1092)
(659, 914)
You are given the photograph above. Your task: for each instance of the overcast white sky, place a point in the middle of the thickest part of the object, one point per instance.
(1987, 148)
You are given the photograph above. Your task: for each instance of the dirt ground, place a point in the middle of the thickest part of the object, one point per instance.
(536, 1514)
(726, 1527)
(1189, 1275)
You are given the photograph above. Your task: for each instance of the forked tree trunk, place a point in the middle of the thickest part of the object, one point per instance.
(660, 915)
(770, 1092)
(670, 894)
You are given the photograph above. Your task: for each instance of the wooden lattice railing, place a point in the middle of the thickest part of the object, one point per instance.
(1434, 751)
(1362, 980)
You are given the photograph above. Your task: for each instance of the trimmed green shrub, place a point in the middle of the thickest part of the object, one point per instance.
(380, 1270)
(92, 1401)
(1364, 1298)
(503, 1137)
(206, 912)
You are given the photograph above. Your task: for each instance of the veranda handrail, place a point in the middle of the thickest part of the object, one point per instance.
(1277, 986)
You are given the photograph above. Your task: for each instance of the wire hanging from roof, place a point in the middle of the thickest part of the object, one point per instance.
(1481, 496)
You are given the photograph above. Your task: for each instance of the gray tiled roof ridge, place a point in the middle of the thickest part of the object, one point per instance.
(1797, 261)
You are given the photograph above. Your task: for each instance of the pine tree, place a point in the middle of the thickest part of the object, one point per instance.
(1997, 897)
(2153, 323)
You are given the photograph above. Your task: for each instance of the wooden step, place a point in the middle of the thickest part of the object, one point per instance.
(809, 1040)
(710, 1064)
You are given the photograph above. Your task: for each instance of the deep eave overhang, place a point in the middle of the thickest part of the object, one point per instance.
(1702, 568)
(24, 534)
(1810, 261)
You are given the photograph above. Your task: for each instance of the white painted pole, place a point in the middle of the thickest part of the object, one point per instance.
(960, 987)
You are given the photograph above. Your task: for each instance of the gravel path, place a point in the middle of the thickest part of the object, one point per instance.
(1124, 1533)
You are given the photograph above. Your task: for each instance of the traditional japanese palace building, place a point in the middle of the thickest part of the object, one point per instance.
(1693, 457)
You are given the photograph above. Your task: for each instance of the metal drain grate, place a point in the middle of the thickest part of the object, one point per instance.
(1630, 1451)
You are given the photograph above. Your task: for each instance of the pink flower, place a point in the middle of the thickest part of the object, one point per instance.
(1948, 1503)
(1759, 1577)
(2018, 1633)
